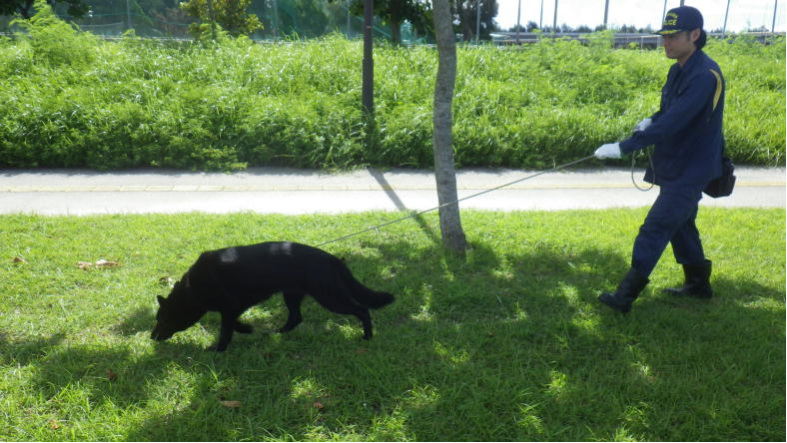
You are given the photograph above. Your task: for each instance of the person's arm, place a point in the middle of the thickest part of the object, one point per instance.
(682, 112)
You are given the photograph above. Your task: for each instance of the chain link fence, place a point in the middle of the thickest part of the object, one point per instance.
(304, 19)
(281, 19)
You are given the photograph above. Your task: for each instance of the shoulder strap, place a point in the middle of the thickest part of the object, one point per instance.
(719, 88)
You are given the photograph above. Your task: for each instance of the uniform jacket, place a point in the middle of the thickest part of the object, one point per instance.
(687, 129)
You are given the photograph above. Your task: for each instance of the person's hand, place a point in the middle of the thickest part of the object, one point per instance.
(609, 150)
(643, 125)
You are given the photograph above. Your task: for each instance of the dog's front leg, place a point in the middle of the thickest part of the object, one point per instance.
(227, 328)
(293, 301)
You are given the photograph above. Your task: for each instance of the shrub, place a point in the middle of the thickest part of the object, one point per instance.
(71, 100)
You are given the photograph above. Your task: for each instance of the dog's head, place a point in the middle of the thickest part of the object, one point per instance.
(175, 313)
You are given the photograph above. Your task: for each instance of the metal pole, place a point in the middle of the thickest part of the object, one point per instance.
(477, 19)
(554, 21)
(541, 18)
(367, 89)
(663, 13)
(726, 13)
(518, 19)
(773, 25)
(348, 18)
(275, 20)
(212, 19)
(128, 14)
(606, 13)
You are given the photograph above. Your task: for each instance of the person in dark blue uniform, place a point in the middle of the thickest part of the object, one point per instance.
(687, 134)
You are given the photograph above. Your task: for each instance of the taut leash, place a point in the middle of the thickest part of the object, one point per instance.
(417, 214)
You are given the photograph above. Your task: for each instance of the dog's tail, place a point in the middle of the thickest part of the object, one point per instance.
(360, 294)
(375, 299)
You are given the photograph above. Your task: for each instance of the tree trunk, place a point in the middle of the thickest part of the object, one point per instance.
(24, 9)
(445, 175)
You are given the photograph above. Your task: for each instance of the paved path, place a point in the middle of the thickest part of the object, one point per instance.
(294, 191)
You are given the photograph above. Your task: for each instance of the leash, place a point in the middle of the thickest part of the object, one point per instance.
(650, 160)
(417, 214)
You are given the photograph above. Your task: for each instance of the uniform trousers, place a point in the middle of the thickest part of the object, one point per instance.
(671, 219)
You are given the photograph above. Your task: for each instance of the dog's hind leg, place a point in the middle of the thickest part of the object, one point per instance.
(243, 328)
(293, 301)
(366, 320)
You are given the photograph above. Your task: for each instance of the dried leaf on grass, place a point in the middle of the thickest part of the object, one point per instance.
(101, 264)
(232, 404)
(107, 264)
(19, 260)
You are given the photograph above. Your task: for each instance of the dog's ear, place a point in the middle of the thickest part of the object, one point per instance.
(161, 300)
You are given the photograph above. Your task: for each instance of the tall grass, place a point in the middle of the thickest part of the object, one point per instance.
(72, 100)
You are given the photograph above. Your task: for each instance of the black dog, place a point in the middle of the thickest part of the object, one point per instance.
(232, 280)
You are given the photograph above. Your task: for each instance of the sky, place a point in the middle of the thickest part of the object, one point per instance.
(640, 13)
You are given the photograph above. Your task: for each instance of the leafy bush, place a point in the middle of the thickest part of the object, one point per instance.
(71, 100)
(55, 42)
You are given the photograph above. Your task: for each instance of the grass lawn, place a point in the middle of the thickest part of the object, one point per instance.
(510, 344)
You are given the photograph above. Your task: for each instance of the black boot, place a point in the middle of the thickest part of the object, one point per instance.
(628, 290)
(697, 282)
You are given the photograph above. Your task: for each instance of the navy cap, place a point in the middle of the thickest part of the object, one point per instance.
(684, 18)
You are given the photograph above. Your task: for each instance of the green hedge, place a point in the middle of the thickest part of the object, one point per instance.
(72, 100)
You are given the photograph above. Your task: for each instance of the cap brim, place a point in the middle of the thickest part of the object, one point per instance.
(668, 31)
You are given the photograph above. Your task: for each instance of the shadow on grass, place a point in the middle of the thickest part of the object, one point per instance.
(139, 321)
(501, 347)
(25, 352)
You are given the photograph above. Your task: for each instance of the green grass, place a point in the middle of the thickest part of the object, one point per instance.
(510, 344)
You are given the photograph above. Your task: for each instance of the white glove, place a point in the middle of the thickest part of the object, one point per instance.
(641, 126)
(610, 150)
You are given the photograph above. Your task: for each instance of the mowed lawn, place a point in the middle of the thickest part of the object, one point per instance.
(509, 344)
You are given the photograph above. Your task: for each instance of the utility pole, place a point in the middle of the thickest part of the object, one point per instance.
(554, 21)
(367, 89)
(726, 13)
(518, 21)
(773, 25)
(541, 18)
(606, 13)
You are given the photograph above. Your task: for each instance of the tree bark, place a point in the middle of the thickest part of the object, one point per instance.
(24, 9)
(445, 174)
